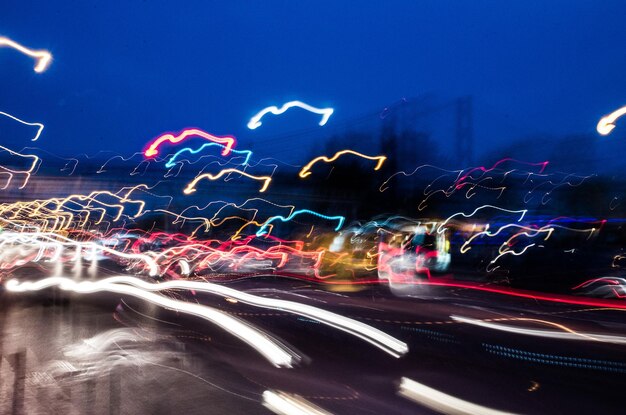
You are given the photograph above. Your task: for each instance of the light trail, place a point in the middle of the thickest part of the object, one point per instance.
(273, 351)
(255, 121)
(282, 403)
(441, 228)
(33, 124)
(263, 230)
(607, 123)
(42, 57)
(36, 161)
(442, 402)
(172, 161)
(191, 187)
(372, 335)
(565, 334)
(153, 147)
(305, 170)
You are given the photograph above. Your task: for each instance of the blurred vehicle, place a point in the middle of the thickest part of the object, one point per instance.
(412, 252)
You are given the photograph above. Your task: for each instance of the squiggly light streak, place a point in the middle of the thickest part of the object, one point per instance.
(37, 238)
(275, 353)
(484, 169)
(191, 187)
(27, 173)
(172, 161)
(42, 57)
(34, 124)
(255, 121)
(339, 219)
(441, 228)
(607, 123)
(532, 232)
(305, 170)
(442, 402)
(152, 149)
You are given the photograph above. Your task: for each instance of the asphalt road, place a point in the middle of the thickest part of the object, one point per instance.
(108, 354)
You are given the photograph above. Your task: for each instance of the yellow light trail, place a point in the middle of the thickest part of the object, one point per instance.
(191, 187)
(305, 170)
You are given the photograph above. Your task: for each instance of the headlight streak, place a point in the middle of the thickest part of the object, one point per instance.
(283, 403)
(39, 126)
(607, 123)
(274, 352)
(305, 171)
(42, 57)
(565, 334)
(380, 339)
(191, 186)
(442, 402)
(255, 122)
(153, 148)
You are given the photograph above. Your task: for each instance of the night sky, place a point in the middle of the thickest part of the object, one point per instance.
(126, 71)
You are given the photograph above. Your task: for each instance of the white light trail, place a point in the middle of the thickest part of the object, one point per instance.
(34, 124)
(565, 334)
(607, 123)
(274, 352)
(442, 402)
(255, 121)
(282, 403)
(363, 331)
(42, 57)
(47, 238)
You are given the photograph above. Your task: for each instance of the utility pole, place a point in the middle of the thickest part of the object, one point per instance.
(464, 132)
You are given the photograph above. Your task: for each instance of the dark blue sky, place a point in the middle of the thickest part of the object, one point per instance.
(125, 71)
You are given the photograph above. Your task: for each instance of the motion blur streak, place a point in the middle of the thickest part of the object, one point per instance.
(191, 187)
(607, 123)
(42, 239)
(442, 228)
(305, 170)
(564, 299)
(43, 57)
(34, 124)
(566, 334)
(152, 149)
(36, 161)
(442, 402)
(339, 219)
(368, 333)
(282, 403)
(255, 121)
(172, 161)
(275, 353)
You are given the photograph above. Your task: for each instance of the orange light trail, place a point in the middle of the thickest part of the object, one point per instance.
(305, 170)
(191, 187)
